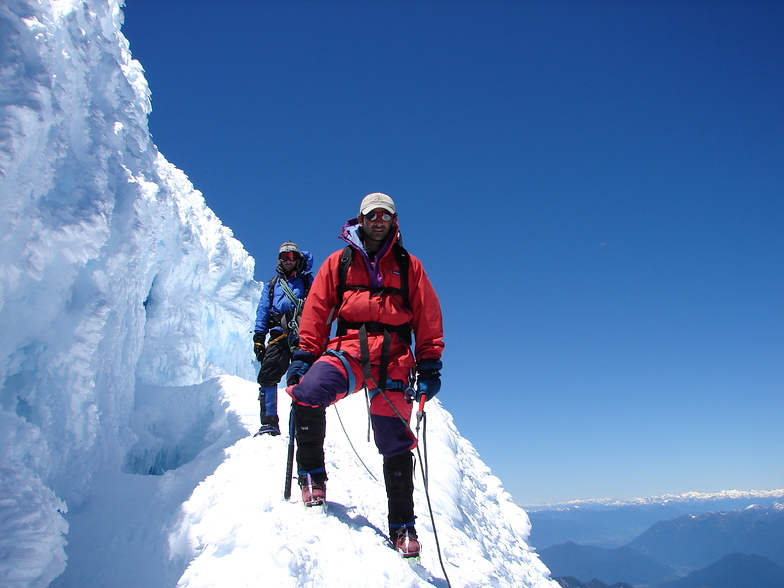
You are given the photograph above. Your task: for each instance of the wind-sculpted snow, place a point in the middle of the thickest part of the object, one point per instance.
(112, 270)
(126, 374)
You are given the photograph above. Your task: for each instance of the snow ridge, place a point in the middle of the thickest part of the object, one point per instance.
(481, 531)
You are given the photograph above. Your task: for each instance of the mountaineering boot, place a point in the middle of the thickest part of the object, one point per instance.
(314, 488)
(405, 541)
(268, 429)
(311, 426)
(268, 400)
(399, 482)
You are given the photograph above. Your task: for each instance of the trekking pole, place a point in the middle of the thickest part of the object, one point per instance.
(290, 456)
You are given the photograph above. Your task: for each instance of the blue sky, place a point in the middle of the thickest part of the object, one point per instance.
(596, 190)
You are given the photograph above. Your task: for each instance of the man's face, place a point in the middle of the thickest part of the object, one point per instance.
(288, 261)
(378, 228)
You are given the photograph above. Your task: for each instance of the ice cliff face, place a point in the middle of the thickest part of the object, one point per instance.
(114, 274)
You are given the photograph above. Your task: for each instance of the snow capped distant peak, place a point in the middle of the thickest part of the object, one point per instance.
(731, 495)
(703, 496)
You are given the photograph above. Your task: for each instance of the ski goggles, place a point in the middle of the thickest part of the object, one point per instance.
(288, 256)
(374, 216)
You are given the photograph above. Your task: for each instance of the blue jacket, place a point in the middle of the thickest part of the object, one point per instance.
(280, 302)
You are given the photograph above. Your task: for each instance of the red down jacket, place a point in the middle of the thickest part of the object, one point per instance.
(423, 314)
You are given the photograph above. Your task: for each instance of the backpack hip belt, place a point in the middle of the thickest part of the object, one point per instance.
(371, 327)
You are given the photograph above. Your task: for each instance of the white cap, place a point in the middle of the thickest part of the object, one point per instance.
(376, 200)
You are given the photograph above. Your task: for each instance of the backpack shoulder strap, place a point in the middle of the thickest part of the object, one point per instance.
(345, 261)
(403, 260)
(272, 290)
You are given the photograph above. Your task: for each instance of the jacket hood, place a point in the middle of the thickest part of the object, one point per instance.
(351, 234)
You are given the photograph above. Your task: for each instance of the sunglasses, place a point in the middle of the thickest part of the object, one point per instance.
(373, 216)
(288, 256)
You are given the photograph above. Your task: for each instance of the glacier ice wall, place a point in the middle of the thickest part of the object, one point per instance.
(114, 274)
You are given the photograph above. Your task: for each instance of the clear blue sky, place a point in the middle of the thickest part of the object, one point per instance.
(595, 188)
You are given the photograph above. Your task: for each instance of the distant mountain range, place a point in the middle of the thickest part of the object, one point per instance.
(606, 528)
(612, 523)
(736, 570)
(570, 582)
(694, 541)
(621, 564)
(677, 542)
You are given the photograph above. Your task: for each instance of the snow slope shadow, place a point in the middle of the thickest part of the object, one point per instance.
(174, 424)
(355, 522)
(119, 538)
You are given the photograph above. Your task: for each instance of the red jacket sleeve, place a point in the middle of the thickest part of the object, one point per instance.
(426, 308)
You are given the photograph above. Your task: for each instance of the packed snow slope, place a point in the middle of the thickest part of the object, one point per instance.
(126, 375)
(220, 520)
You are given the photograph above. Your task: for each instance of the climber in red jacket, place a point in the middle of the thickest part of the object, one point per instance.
(380, 296)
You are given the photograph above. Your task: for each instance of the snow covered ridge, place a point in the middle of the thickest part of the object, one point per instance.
(113, 271)
(236, 529)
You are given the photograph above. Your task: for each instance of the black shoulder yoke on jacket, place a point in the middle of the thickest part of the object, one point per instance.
(402, 258)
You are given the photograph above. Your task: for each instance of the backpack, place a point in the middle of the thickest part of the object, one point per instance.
(402, 257)
(402, 331)
(289, 324)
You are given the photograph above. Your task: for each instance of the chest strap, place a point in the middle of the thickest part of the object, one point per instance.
(372, 327)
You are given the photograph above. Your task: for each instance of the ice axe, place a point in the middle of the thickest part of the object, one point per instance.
(420, 413)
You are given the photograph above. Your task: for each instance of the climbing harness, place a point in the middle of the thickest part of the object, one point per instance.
(276, 339)
(289, 321)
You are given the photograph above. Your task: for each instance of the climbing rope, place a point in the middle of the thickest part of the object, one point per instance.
(352, 445)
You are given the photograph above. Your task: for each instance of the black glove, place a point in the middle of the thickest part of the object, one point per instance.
(428, 378)
(300, 364)
(258, 345)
